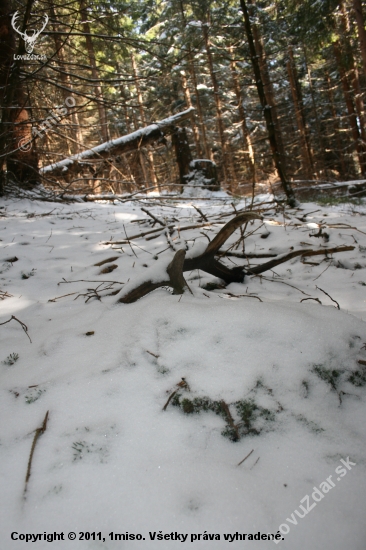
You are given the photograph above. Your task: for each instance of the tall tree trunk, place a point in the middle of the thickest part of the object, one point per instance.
(340, 154)
(305, 149)
(357, 8)
(267, 109)
(249, 151)
(150, 155)
(320, 157)
(16, 129)
(220, 123)
(93, 64)
(360, 148)
(192, 71)
(187, 97)
(67, 86)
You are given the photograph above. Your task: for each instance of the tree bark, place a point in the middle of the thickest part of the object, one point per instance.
(150, 155)
(92, 60)
(249, 151)
(16, 129)
(267, 109)
(357, 8)
(360, 148)
(220, 123)
(305, 148)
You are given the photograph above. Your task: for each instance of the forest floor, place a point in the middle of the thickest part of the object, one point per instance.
(265, 427)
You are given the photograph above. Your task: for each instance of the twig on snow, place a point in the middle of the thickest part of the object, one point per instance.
(156, 220)
(248, 455)
(38, 433)
(316, 299)
(328, 296)
(23, 325)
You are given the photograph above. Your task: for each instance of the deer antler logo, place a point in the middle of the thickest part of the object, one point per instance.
(29, 40)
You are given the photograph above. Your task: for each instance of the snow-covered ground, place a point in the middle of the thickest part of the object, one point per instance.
(279, 375)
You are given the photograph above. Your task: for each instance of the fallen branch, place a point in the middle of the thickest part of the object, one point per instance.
(23, 325)
(156, 220)
(38, 433)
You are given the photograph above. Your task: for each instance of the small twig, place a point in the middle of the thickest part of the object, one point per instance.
(182, 384)
(23, 325)
(283, 282)
(153, 217)
(324, 270)
(64, 296)
(169, 399)
(88, 281)
(248, 455)
(38, 433)
(328, 296)
(49, 236)
(128, 240)
(316, 299)
(200, 212)
(153, 354)
(230, 419)
(254, 463)
(361, 362)
(242, 296)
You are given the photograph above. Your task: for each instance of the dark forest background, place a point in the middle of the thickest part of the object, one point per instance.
(277, 89)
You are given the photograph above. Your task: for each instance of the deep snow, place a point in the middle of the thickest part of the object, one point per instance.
(111, 460)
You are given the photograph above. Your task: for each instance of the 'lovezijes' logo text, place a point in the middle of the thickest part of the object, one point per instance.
(29, 39)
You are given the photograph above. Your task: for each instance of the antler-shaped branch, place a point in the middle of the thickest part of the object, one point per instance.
(174, 279)
(205, 261)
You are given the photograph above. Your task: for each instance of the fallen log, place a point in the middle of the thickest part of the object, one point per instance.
(115, 147)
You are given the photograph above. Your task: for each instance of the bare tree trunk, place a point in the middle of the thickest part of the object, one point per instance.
(306, 155)
(249, 152)
(143, 121)
(357, 8)
(65, 79)
(192, 72)
(320, 156)
(16, 129)
(92, 60)
(360, 148)
(336, 127)
(267, 109)
(220, 123)
(187, 96)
